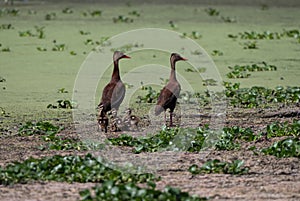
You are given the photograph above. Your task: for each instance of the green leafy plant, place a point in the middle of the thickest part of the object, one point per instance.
(277, 129)
(95, 13)
(289, 147)
(260, 96)
(62, 91)
(66, 169)
(195, 35)
(135, 13)
(209, 82)
(41, 49)
(111, 190)
(6, 26)
(59, 47)
(217, 166)
(50, 16)
(73, 53)
(122, 19)
(172, 24)
(250, 45)
(234, 74)
(9, 11)
(5, 49)
(39, 33)
(38, 128)
(150, 97)
(84, 32)
(27, 33)
(212, 12)
(217, 53)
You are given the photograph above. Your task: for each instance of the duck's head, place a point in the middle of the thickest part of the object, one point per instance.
(120, 55)
(176, 57)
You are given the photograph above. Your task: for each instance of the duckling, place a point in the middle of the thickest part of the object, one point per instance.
(115, 122)
(131, 121)
(102, 120)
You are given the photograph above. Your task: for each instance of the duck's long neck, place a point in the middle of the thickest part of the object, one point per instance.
(116, 72)
(173, 73)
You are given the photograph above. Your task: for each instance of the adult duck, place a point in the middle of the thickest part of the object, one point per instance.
(169, 94)
(113, 93)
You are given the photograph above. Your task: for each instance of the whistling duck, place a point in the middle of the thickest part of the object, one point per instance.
(130, 121)
(113, 93)
(169, 94)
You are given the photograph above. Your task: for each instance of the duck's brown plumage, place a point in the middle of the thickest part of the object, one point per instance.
(169, 94)
(114, 92)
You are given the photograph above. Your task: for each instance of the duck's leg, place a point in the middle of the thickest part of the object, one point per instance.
(171, 119)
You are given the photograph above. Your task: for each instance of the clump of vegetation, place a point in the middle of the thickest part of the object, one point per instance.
(9, 11)
(209, 82)
(111, 190)
(62, 91)
(277, 129)
(267, 35)
(39, 33)
(41, 49)
(150, 97)
(253, 35)
(289, 147)
(212, 12)
(66, 169)
(93, 13)
(241, 71)
(58, 47)
(193, 35)
(50, 16)
(84, 32)
(39, 128)
(260, 96)
(63, 104)
(122, 19)
(185, 139)
(48, 133)
(6, 26)
(217, 53)
(250, 45)
(135, 13)
(172, 24)
(217, 166)
(5, 49)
